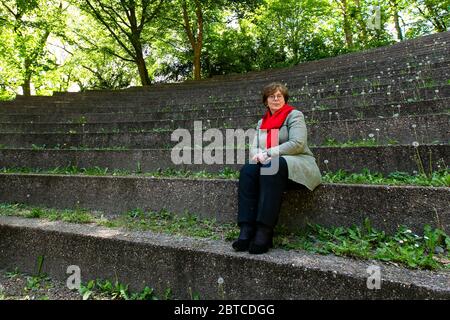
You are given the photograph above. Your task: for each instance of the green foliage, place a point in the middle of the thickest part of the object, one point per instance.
(439, 178)
(100, 289)
(51, 45)
(430, 251)
(25, 57)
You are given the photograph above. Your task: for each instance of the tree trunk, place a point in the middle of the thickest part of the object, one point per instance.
(348, 32)
(197, 63)
(397, 25)
(142, 67)
(143, 72)
(196, 42)
(394, 7)
(347, 25)
(26, 86)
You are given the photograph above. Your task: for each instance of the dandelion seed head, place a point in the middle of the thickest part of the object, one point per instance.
(415, 144)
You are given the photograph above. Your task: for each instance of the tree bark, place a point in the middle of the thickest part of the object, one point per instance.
(142, 67)
(196, 42)
(347, 26)
(26, 86)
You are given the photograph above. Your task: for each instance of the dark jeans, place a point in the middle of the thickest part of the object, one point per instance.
(260, 195)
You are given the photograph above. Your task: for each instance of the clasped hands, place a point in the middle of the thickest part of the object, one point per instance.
(261, 157)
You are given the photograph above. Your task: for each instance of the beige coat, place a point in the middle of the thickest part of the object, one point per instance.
(293, 147)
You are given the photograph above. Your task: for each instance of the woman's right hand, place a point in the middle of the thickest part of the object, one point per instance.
(261, 157)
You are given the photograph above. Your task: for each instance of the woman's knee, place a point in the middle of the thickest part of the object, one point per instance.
(279, 168)
(249, 169)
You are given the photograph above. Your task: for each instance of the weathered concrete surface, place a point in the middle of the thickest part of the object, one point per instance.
(243, 120)
(330, 204)
(138, 113)
(383, 159)
(195, 265)
(428, 129)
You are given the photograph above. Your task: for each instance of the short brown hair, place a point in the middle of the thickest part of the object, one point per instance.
(272, 88)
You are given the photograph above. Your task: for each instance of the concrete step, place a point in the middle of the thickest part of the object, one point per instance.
(208, 267)
(240, 117)
(387, 207)
(365, 100)
(344, 62)
(306, 96)
(404, 130)
(411, 65)
(351, 159)
(131, 114)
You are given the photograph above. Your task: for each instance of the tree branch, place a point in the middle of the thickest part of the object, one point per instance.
(100, 18)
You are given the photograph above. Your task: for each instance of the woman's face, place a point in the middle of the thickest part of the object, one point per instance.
(275, 101)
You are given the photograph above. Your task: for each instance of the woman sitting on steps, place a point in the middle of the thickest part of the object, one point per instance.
(280, 146)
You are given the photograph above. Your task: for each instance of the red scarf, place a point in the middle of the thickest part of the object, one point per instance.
(274, 121)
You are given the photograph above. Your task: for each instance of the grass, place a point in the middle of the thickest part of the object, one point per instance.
(65, 147)
(440, 178)
(37, 285)
(430, 251)
(371, 142)
(405, 247)
(105, 289)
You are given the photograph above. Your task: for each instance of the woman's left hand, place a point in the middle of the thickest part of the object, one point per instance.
(261, 157)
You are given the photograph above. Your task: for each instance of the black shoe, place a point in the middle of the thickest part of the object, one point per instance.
(262, 241)
(245, 236)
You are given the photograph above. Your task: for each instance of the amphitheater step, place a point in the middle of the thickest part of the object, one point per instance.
(388, 207)
(351, 159)
(401, 130)
(207, 267)
(197, 113)
(364, 97)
